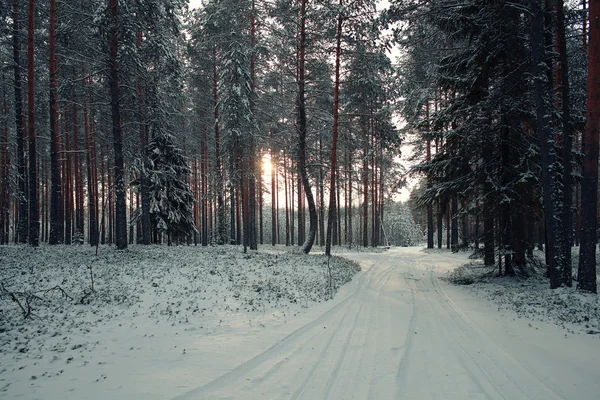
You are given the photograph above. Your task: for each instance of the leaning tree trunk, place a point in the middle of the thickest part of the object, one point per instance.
(589, 184)
(34, 223)
(301, 104)
(119, 184)
(331, 220)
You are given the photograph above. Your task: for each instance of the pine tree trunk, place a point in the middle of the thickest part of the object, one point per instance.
(589, 184)
(365, 188)
(56, 211)
(464, 225)
(301, 127)
(93, 224)
(77, 172)
(567, 139)
(273, 199)
(103, 193)
(429, 207)
(221, 225)
(34, 212)
(454, 233)
(350, 238)
(204, 196)
(336, 100)
(22, 224)
(287, 211)
(552, 204)
(119, 181)
(253, 172)
(374, 230)
(4, 182)
(68, 186)
(440, 224)
(321, 195)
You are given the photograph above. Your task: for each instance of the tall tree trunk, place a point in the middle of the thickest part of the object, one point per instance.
(90, 161)
(287, 211)
(301, 126)
(56, 210)
(221, 224)
(22, 225)
(103, 193)
(119, 183)
(111, 203)
(321, 189)
(350, 238)
(252, 154)
(5, 183)
(567, 139)
(429, 207)
(336, 113)
(204, 196)
(68, 186)
(261, 205)
(365, 186)
(77, 170)
(552, 204)
(274, 210)
(454, 233)
(34, 212)
(589, 184)
(440, 224)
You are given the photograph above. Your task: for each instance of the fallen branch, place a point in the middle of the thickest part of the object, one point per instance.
(14, 297)
(61, 290)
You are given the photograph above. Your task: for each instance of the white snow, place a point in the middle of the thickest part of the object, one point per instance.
(193, 323)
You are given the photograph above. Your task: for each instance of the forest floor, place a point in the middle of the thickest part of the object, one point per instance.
(210, 323)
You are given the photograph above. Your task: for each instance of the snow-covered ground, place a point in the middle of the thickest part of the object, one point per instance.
(193, 323)
(531, 298)
(159, 318)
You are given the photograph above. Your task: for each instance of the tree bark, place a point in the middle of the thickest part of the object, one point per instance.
(119, 181)
(552, 204)
(22, 224)
(34, 212)
(5, 168)
(336, 115)
(252, 156)
(93, 223)
(301, 127)
(56, 210)
(589, 184)
(221, 223)
(204, 195)
(567, 140)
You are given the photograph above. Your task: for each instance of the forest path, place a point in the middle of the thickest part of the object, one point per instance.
(401, 333)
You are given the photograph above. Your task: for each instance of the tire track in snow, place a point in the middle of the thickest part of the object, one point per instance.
(321, 363)
(274, 358)
(345, 355)
(479, 345)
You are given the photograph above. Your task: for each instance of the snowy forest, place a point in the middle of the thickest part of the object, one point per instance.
(303, 199)
(252, 122)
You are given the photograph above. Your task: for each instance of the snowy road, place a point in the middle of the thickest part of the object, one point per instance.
(401, 333)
